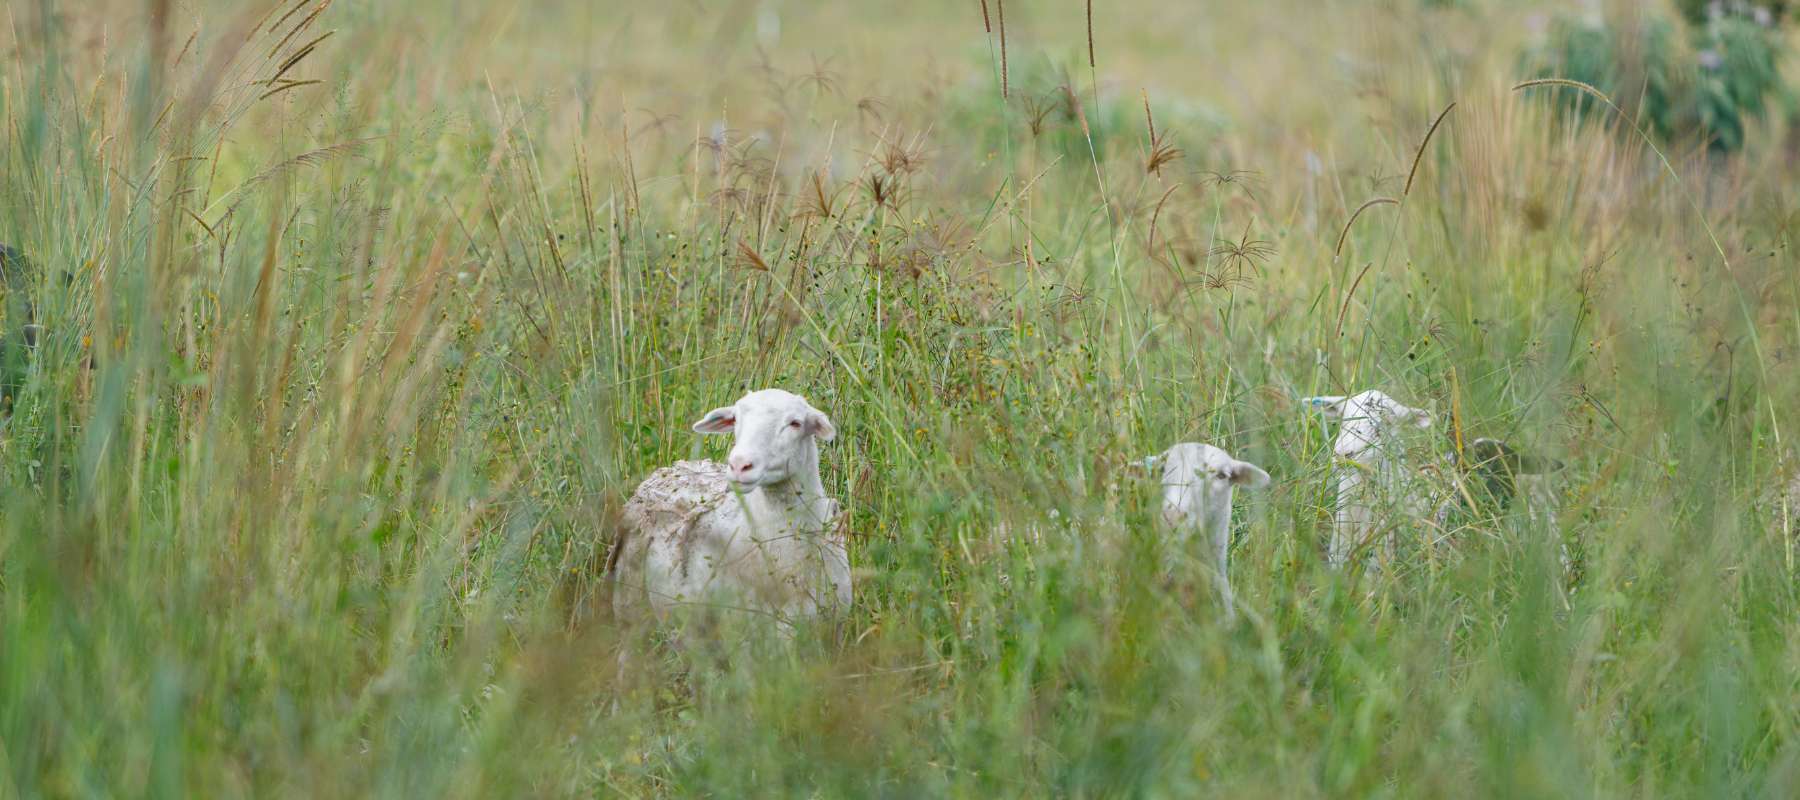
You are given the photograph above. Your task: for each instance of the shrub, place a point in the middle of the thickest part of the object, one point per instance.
(1702, 77)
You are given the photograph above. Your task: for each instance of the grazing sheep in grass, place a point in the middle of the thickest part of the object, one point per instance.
(1197, 484)
(1374, 472)
(754, 533)
(1489, 475)
(1499, 474)
(1372, 469)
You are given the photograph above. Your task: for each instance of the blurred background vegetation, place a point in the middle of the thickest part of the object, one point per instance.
(1700, 75)
(360, 319)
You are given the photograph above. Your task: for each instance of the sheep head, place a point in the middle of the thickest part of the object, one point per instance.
(773, 432)
(1370, 422)
(1197, 481)
(1497, 465)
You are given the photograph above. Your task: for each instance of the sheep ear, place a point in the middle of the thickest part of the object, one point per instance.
(819, 426)
(1248, 475)
(719, 420)
(1419, 417)
(1332, 406)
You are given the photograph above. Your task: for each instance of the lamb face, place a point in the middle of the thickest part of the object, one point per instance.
(1371, 423)
(757, 532)
(1372, 473)
(774, 433)
(1197, 483)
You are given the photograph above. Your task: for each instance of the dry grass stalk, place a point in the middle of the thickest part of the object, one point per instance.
(1240, 178)
(1147, 117)
(185, 48)
(302, 53)
(1342, 312)
(1081, 114)
(748, 259)
(817, 199)
(986, 25)
(1420, 153)
(282, 21)
(1162, 153)
(1345, 233)
(1564, 82)
(1158, 213)
(303, 24)
(1037, 109)
(1243, 252)
(1000, 11)
(251, 33)
(1456, 418)
(1090, 32)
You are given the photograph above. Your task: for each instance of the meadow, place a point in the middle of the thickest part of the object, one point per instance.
(362, 319)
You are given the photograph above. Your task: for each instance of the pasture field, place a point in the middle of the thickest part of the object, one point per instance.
(361, 319)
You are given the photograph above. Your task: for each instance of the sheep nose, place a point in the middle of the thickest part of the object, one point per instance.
(740, 466)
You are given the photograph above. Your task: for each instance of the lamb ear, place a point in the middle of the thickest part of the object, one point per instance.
(1246, 474)
(1250, 476)
(1332, 406)
(819, 426)
(719, 420)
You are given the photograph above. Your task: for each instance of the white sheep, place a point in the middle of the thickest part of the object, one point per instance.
(755, 533)
(1374, 473)
(1372, 469)
(1197, 484)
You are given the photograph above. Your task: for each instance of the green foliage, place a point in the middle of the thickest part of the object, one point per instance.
(1761, 12)
(1704, 78)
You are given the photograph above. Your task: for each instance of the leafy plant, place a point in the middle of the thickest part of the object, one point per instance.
(1703, 77)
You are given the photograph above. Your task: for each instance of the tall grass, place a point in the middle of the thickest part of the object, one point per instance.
(310, 486)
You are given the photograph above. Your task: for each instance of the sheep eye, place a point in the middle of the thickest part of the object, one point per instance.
(794, 424)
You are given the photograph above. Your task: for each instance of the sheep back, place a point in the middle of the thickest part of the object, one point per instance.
(687, 539)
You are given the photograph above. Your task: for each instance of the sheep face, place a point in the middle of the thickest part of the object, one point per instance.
(774, 434)
(1197, 480)
(1370, 422)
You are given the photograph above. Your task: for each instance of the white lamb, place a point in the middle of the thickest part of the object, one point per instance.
(1197, 484)
(1373, 472)
(755, 533)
